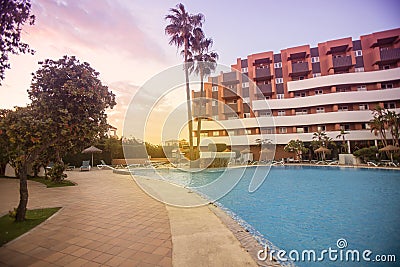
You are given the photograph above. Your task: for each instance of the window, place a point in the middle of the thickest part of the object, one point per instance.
(365, 126)
(281, 113)
(215, 88)
(215, 133)
(345, 127)
(386, 67)
(278, 65)
(321, 128)
(300, 94)
(204, 134)
(264, 114)
(316, 75)
(314, 59)
(244, 85)
(319, 92)
(387, 85)
(282, 130)
(248, 131)
(363, 106)
(299, 130)
(245, 69)
(231, 132)
(267, 130)
(278, 80)
(232, 86)
(362, 88)
(214, 103)
(360, 69)
(280, 96)
(301, 111)
(343, 89)
(358, 53)
(320, 109)
(246, 115)
(343, 108)
(389, 105)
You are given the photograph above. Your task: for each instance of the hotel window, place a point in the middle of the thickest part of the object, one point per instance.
(214, 103)
(319, 92)
(267, 130)
(299, 130)
(215, 133)
(316, 75)
(343, 89)
(387, 85)
(232, 86)
(282, 130)
(244, 85)
(281, 113)
(301, 111)
(314, 59)
(320, 110)
(204, 134)
(246, 115)
(280, 96)
(300, 94)
(363, 106)
(343, 108)
(362, 88)
(361, 69)
(264, 114)
(278, 80)
(245, 69)
(248, 131)
(321, 128)
(358, 53)
(365, 126)
(278, 65)
(345, 127)
(215, 88)
(390, 105)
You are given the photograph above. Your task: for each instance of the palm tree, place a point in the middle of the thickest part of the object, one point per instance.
(296, 146)
(393, 123)
(342, 135)
(377, 124)
(180, 31)
(203, 64)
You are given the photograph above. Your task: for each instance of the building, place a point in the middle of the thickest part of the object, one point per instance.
(302, 90)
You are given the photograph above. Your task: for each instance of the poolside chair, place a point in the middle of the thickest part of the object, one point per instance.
(85, 165)
(371, 163)
(104, 165)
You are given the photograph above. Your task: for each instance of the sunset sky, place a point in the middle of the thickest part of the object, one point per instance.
(125, 40)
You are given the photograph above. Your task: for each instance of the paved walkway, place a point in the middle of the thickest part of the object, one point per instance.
(105, 220)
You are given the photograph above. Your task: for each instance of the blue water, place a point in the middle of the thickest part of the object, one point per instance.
(303, 208)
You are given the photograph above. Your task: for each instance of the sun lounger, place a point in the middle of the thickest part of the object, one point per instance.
(370, 163)
(334, 163)
(85, 165)
(282, 162)
(104, 165)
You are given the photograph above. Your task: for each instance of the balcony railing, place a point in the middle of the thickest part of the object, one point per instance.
(229, 93)
(342, 62)
(263, 73)
(230, 108)
(390, 54)
(266, 89)
(301, 67)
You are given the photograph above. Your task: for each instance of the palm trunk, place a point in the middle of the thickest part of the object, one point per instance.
(200, 110)
(188, 103)
(23, 192)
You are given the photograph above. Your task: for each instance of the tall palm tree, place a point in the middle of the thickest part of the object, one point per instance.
(203, 64)
(180, 31)
(393, 123)
(342, 135)
(377, 124)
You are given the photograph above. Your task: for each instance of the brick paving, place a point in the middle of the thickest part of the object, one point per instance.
(105, 221)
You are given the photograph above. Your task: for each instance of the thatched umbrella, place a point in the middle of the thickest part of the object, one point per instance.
(323, 150)
(266, 154)
(390, 148)
(92, 150)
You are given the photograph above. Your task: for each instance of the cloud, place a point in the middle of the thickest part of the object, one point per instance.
(96, 25)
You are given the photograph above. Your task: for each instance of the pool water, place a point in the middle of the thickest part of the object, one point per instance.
(310, 208)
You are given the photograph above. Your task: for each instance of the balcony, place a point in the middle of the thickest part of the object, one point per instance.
(230, 108)
(300, 68)
(229, 93)
(266, 89)
(342, 62)
(390, 55)
(263, 74)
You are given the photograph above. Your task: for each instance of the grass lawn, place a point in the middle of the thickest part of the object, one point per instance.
(49, 183)
(9, 229)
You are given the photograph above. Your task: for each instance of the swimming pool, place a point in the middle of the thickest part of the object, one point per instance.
(310, 208)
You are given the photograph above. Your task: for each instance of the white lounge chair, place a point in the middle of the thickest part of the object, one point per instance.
(104, 165)
(85, 165)
(370, 163)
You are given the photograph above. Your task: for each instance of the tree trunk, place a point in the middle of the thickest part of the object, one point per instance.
(3, 168)
(23, 192)
(188, 103)
(200, 109)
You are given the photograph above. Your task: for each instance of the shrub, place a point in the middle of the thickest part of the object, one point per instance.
(219, 163)
(56, 173)
(218, 147)
(367, 153)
